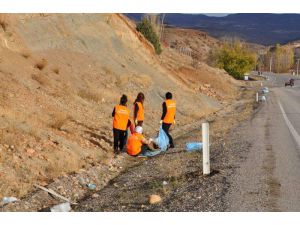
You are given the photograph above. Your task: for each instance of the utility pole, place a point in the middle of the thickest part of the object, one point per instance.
(271, 61)
(298, 66)
(260, 61)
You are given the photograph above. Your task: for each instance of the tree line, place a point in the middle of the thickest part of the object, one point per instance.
(278, 59)
(237, 58)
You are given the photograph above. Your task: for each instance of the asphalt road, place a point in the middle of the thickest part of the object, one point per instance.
(269, 178)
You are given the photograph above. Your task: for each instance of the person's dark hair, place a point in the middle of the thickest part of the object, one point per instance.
(168, 95)
(140, 98)
(123, 100)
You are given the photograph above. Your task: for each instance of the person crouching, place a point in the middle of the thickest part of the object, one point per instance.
(137, 143)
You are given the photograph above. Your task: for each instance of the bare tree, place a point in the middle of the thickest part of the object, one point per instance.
(157, 21)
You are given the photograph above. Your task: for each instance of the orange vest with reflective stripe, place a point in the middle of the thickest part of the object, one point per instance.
(121, 117)
(140, 115)
(171, 111)
(134, 144)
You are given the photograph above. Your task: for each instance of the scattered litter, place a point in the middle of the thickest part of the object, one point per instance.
(165, 183)
(64, 207)
(154, 199)
(54, 193)
(263, 98)
(266, 89)
(91, 186)
(7, 200)
(193, 146)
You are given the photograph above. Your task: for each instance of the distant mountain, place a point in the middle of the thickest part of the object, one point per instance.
(261, 28)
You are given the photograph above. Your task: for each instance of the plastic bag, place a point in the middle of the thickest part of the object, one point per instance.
(64, 207)
(162, 140)
(266, 90)
(150, 153)
(193, 146)
(6, 200)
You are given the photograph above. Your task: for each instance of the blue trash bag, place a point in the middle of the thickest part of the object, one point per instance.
(194, 146)
(162, 140)
(149, 153)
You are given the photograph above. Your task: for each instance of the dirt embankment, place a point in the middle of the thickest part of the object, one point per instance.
(61, 75)
(176, 176)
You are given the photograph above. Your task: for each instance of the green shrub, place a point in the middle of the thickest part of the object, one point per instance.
(145, 28)
(235, 58)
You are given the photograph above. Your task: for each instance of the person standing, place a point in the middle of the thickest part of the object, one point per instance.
(138, 112)
(121, 122)
(168, 116)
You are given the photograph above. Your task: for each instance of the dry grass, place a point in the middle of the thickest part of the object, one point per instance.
(59, 120)
(62, 162)
(41, 79)
(41, 64)
(90, 95)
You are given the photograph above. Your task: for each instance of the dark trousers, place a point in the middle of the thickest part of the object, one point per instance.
(166, 128)
(119, 139)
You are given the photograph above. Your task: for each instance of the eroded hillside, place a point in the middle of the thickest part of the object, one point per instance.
(61, 75)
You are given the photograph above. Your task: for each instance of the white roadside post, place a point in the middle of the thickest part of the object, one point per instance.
(256, 96)
(205, 154)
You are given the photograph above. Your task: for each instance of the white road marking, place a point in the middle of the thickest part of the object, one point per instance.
(290, 126)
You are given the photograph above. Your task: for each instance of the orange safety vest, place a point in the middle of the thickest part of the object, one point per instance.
(171, 111)
(134, 144)
(140, 115)
(121, 117)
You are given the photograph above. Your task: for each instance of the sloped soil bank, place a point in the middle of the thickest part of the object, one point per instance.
(125, 183)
